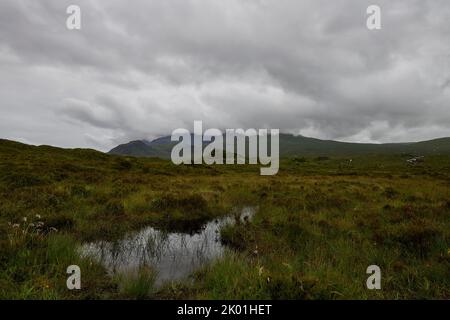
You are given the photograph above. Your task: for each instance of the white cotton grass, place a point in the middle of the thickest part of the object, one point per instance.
(34, 227)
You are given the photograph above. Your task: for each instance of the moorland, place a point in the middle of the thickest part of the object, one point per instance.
(320, 222)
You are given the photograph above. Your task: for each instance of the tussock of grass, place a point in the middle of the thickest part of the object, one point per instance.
(137, 286)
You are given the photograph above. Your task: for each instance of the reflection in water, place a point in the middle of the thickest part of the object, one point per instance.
(172, 255)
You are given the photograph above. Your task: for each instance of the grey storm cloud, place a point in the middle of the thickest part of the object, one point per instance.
(141, 69)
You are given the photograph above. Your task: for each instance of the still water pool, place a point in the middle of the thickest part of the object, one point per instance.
(172, 255)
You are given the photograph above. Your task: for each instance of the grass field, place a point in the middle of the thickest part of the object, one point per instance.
(320, 223)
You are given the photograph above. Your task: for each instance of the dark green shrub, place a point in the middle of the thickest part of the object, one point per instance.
(114, 207)
(390, 193)
(79, 191)
(123, 164)
(22, 180)
(299, 160)
(59, 222)
(235, 236)
(191, 203)
(447, 204)
(292, 287)
(418, 237)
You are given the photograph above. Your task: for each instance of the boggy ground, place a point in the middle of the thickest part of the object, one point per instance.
(320, 223)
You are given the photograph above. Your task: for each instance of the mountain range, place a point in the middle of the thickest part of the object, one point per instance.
(291, 145)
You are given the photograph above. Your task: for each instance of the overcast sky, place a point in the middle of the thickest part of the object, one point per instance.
(140, 69)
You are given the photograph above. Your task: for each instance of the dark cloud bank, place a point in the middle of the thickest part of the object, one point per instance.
(139, 69)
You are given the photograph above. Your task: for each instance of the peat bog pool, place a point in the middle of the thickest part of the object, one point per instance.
(173, 255)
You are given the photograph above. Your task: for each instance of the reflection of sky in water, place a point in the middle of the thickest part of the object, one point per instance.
(172, 255)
